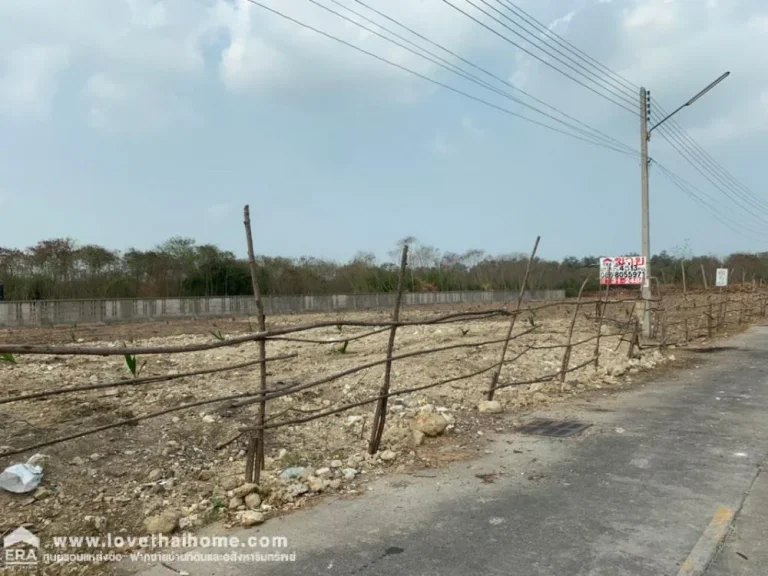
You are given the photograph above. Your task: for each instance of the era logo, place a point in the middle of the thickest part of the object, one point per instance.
(20, 548)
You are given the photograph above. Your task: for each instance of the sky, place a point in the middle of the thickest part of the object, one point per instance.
(126, 122)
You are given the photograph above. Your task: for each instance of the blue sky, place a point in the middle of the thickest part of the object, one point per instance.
(123, 123)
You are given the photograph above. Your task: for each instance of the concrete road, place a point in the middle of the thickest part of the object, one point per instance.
(745, 552)
(631, 496)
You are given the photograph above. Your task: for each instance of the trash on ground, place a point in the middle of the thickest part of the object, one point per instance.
(21, 478)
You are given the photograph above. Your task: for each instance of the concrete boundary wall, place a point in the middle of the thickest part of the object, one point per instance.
(67, 312)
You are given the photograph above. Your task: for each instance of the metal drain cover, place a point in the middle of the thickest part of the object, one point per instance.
(557, 428)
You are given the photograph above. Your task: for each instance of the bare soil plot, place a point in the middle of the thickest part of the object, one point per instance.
(170, 467)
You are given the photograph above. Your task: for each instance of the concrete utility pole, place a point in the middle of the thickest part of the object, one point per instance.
(645, 161)
(644, 201)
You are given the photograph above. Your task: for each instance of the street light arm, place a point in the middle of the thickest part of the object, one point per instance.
(691, 101)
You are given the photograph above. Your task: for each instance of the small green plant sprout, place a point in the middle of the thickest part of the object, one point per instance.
(341, 349)
(339, 327)
(132, 362)
(218, 502)
(464, 331)
(7, 358)
(217, 335)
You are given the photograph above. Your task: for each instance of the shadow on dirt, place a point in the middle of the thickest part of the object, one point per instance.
(713, 349)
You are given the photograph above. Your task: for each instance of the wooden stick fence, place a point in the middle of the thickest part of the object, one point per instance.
(702, 317)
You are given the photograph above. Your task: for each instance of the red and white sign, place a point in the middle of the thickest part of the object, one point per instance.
(622, 270)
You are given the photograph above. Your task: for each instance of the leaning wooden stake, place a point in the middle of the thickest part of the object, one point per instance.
(634, 339)
(567, 353)
(254, 461)
(682, 266)
(497, 372)
(600, 326)
(380, 416)
(704, 277)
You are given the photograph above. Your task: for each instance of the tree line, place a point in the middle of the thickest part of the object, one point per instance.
(61, 269)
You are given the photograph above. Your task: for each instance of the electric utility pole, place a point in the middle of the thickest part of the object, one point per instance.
(645, 162)
(645, 112)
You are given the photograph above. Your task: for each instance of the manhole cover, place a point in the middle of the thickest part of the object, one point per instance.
(558, 428)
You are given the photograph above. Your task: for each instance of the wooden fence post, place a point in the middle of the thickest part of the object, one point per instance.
(633, 339)
(682, 266)
(567, 353)
(380, 416)
(254, 461)
(495, 377)
(710, 320)
(704, 276)
(600, 325)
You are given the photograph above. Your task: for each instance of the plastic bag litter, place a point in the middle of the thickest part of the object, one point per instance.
(21, 478)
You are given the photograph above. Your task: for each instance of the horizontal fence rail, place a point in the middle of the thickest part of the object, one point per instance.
(59, 312)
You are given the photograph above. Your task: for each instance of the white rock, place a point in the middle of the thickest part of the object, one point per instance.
(349, 473)
(430, 424)
(253, 500)
(388, 455)
(163, 523)
(490, 407)
(249, 518)
(417, 437)
(245, 489)
(316, 484)
(189, 522)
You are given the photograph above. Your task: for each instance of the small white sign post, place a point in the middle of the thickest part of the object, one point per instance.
(721, 278)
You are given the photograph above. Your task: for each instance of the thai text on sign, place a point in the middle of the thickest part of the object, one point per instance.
(622, 270)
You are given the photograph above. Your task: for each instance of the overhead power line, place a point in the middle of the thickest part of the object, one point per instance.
(452, 67)
(432, 80)
(536, 56)
(710, 205)
(708, 163)
(680, 140)
(750, 211)
(576, 66)
(624, 84)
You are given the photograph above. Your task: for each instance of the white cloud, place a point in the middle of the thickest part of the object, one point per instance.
(562, 22)
(123, 106)
(439, 146)
(248, 59)
(759, 22)
(250, 47)
(744, 122)
(219, 211)
(100, 87)
(29, 81)
(522, 69)
(676, 48)
(659, 14)
(264, 48)
(469, 127)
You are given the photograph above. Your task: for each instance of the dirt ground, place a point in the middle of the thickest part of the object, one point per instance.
(137, 479)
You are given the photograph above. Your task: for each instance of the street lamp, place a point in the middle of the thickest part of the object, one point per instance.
(645, 136)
